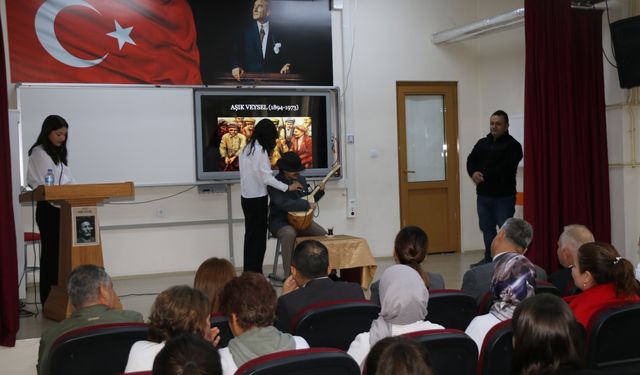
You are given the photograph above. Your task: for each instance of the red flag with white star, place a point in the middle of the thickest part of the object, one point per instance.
(103, 41)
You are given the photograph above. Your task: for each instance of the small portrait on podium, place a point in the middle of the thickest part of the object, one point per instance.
(85, 222)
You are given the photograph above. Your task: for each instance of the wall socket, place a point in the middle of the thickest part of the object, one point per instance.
(351, 208)
(161, 212)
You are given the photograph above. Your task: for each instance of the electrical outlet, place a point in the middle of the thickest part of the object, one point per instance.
(351, 208)
(161, 212)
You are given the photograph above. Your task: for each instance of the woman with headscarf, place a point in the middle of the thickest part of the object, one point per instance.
(514, 279)
(404, 299)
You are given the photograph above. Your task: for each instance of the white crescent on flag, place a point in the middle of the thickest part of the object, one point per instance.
(44, 22)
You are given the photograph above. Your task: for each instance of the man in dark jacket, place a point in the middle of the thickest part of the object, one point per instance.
(309, 283)
(282, 203)
(492, 165)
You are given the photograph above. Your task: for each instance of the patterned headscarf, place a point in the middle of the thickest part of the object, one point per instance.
(403, 300)
(514, 279)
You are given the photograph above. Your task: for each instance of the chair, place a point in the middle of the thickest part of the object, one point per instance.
(336, 323)
(543, 286)
(451, 350)
(274, 273)
(313, 361)
(222, 322)
(451, 308)
(32, 239)
(612, 343)
(98, 350)
(485, 303)
(497, 350)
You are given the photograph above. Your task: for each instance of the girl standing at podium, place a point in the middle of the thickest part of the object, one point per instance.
(49, 152)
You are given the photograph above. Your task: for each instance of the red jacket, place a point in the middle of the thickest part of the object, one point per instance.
(586, 304)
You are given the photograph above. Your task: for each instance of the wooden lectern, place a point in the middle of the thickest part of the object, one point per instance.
(74, 197)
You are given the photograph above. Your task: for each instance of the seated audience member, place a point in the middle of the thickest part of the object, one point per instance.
(404, 299)
(513, 237)
(290, 201)
(187, 354)
(398, 356)
(179, 309)
(211, 277)
(249, 301)
(604, 277)
(410, 248)
(573, 236)
(91, 293)
(514, 279)
(309, 283)
(547, 339)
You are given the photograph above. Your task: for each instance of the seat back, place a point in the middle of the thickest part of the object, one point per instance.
(497, 350)
(485, 304)
(313, 361)
(451, 350)
(613, 335)
(334, 324)
(222, 323)
(451, 308)
(543, 286)
(98, 350)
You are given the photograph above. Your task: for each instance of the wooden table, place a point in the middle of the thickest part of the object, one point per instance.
(350, 255)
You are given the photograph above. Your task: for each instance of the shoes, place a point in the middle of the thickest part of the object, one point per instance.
(479, 263)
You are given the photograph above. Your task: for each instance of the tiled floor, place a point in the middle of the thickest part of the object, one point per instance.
(138, 293)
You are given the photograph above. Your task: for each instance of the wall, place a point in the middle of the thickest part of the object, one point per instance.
(624, 180)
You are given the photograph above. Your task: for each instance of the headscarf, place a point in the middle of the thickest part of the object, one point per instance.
(514, 279)
(403, 300)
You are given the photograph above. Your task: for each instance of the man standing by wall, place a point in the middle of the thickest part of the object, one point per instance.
(492, 165)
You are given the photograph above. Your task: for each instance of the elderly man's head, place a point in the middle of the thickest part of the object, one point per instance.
(90, 285)
(573, 236)
(261, 10)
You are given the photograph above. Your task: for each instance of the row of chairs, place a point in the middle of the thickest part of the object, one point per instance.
(612, 347)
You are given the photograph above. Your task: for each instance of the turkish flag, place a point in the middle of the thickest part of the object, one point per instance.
(103, 41)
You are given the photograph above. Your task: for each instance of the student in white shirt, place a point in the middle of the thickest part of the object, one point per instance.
(49, 152)
(255, 175)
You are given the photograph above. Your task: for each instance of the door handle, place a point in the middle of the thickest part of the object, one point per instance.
(409, 171)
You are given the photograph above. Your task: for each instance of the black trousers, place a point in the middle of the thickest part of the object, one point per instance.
(255, 232)
(48, 219)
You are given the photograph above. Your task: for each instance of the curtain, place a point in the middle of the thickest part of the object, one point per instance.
(9, 320)
(566, 177)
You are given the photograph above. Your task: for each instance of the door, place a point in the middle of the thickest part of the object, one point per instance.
(428, 161)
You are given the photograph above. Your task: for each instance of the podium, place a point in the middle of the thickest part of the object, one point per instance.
(77, 205)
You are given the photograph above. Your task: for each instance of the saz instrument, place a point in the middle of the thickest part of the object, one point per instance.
(301, 220)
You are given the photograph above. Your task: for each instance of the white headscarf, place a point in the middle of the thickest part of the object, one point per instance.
(403, 300)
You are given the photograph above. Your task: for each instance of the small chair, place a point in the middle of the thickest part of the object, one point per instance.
(32, 239)
(451, 308)
(336, 323)
(451, 350)
(97, 350)
(222, 322)
(274, 273)
(612, 342)
(497, 350)
(313, 361)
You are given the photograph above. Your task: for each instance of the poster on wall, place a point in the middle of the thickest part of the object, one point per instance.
(171, 42)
